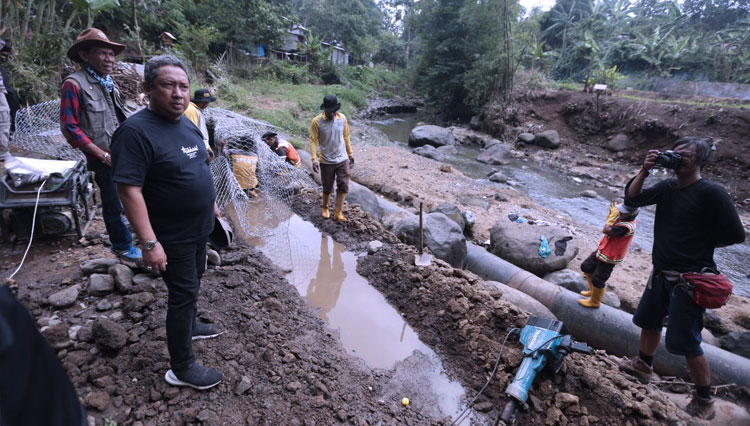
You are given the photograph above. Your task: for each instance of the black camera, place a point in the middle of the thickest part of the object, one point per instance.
(669, 159)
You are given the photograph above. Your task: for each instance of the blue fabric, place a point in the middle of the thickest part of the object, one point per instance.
(544, 249)
(661, 299)
(106, 82)
(119, 235)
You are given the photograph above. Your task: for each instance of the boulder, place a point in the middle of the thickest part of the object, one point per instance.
(442, 236)
(589, 193)
(475, 123)
(137, 302)
(453, 213)
(496, 154)
(737, 342)
(123, 277)
(522, 300)
(374, 246)
(390, 220)
(518, 243)
(65, 297)
(619, 143)
(470, 219)
(367, 200)
(446, 150)
(548, 139)
(569, 279)
(429, 151)
(109, 336)
(431, 135)
(58, 335)
(101, 285)
(526, 137)
(470, 137)
(714, 322)
(100, 265)
(499, 177)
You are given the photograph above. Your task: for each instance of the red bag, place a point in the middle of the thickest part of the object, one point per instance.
(708, 288)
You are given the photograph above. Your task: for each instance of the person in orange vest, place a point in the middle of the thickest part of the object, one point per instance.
(282, 148)
(618, 233)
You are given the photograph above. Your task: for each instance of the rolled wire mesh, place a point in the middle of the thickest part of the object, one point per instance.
(262, 217)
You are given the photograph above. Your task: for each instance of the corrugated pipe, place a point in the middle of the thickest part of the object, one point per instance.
(604, 328)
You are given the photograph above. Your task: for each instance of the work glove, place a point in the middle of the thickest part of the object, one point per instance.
(351, 160)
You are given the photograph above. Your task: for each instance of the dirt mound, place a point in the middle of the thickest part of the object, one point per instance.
(651, 122)
(465, 321)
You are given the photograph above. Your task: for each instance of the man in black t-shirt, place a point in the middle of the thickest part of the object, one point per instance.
(693, 217)
(166, 188)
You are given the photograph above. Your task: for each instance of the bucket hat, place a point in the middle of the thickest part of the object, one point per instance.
(330, 103)
(90, 37)
(202, 95)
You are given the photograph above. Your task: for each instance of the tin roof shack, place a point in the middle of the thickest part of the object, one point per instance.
(338, 55)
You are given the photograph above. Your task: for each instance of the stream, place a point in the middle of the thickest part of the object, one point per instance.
(545, 188)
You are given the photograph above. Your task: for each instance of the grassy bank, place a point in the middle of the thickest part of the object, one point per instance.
(292, 106)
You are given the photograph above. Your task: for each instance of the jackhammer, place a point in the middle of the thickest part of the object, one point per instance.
(544, 341)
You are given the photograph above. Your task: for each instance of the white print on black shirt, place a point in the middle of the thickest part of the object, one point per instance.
(191, 152)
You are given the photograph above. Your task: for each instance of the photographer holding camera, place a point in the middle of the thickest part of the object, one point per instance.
(693, 217)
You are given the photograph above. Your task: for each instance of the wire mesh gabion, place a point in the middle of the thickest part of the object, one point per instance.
(38, 132)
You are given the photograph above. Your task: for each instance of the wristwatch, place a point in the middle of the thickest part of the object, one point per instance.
(149, 245)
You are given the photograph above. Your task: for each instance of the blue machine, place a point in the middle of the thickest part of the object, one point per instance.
(544, 341)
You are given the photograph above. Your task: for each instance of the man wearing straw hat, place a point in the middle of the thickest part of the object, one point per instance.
(90, 111)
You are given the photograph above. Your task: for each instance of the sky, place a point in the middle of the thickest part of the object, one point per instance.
(544, 4)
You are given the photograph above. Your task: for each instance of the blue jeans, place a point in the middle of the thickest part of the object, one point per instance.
(186, 263)
(119, 235)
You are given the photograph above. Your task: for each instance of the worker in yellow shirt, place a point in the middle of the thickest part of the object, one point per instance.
(194, 112)
(329, 133)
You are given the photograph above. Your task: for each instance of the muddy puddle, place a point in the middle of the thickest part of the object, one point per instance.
(324, 272)
(544, 187)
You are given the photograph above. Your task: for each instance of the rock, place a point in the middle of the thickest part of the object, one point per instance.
(466, 137)
(563, 399)
(390, 220)
(100, 265)
(709, 338)
(103, 305)
(475, 123)
(737, 342)
(526, 137)
(548, 139)
(109, 336)
(58, 335)
(86, 333)
(447, 150)
(569, 279)
(431, 135)
(293, 386)
(213, 257)
(244, 385)
(589, 193)
(429, 151)
(139, 279)
(619, 143)
(65, 297)
(98, 400)
(367, 200)
(446, 168)
(442, 236)
(498, 177)
(496, 154)
(518, 243)
(453, 213)
(610, 298)
(123, 277)
(522, 300)
(101, 285)
(484, 407)
(137, 302)
(718, 325)
(374, 247)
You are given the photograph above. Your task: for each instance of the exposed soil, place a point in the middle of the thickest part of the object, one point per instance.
(651, 121)
(281, 364)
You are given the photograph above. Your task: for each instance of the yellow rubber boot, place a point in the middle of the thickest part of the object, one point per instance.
(596, 298)
(587, 293)
(324, 208)
(338, 213)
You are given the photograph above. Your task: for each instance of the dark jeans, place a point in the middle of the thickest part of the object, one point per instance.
(600, 271)
(119, 235)
(338, 172)
(185, 266)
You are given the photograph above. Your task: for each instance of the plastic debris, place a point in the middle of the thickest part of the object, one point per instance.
(544, 249)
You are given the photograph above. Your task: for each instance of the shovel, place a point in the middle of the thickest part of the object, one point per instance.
(422, 259)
